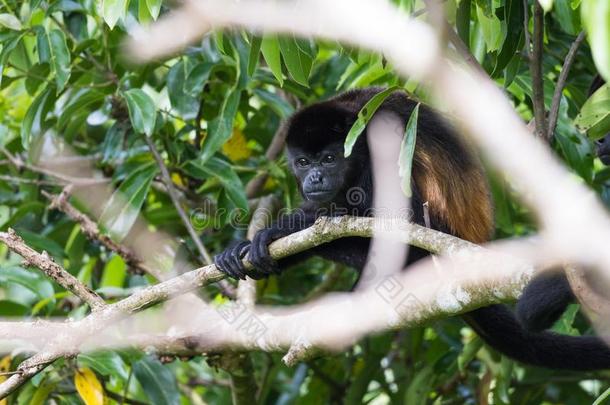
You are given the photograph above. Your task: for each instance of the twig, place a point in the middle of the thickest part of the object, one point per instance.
(561, 82)
(12, 179)
(173, 194)
(91, 230)
(226, 288)
(462, 49)
(536, 72)
(20, 164)
(53, 270)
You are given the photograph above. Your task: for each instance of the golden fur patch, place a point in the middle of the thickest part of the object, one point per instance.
(458, 197)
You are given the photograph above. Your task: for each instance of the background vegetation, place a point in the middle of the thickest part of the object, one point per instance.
(212, 113)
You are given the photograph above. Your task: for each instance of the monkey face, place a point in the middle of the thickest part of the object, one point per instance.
(322, 174)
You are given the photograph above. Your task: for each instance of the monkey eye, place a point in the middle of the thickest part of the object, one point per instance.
(328, 159)
(302, 162)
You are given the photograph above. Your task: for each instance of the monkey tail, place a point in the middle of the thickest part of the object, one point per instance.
(498, 327)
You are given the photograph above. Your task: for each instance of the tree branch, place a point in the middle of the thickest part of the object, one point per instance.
(173, 194)
(561, 82)
(324, 230)
(91, 230)
(536, 72)
(53, 270)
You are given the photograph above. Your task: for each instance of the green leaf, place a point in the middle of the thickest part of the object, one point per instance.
(60, 58)
(602, 398)
(492, 30)
(126, 202)
(564, 325)
(113, 142)
(469, 352)
(42, 45)
(11, 308)
(568, 17)
(594, 115)
(407, 149)
(158, 382)
(419, 386)
(32, 126)
(513, 18)
(220, 128)
(36, 76)
(255, 50)
(364, 116)
(277, 104)
(41, 243)
(270, 47)
(179, 95)
(114, 273)
(33, 281)
(113, 10)
(462, 20)
(10, 21)
(142, 111)
(80, 101)
(154, 7)
(106, 363)
(221, 170)
(547, 5)
(198, 77)
(596, 19)
(298, 57)
(144, 16)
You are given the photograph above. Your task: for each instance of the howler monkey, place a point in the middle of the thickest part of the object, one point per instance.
(445, 173)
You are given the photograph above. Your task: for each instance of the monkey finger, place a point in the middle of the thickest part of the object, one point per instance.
(220, 261)
(235, 259)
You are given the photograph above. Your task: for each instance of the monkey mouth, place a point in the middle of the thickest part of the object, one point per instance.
(320, 195)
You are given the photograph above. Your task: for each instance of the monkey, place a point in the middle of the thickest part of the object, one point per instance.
(446, 173)
(547, 296)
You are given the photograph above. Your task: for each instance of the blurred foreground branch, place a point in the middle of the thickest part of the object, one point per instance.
(211, 332)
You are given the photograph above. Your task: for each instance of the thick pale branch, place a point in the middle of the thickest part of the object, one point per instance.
(324, 230)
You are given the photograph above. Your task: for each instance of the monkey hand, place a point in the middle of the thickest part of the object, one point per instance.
(230, 261)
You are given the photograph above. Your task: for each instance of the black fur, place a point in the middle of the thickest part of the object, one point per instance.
(320, 125)
(544, 300)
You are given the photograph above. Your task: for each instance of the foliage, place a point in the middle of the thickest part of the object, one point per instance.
(212, 112)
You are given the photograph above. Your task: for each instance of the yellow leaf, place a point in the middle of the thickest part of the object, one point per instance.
(5, 366)
(177, 180)
(269, 184)
(89, 387)
(236, 147)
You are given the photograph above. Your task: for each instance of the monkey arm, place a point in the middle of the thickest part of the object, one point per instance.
(230, 261)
